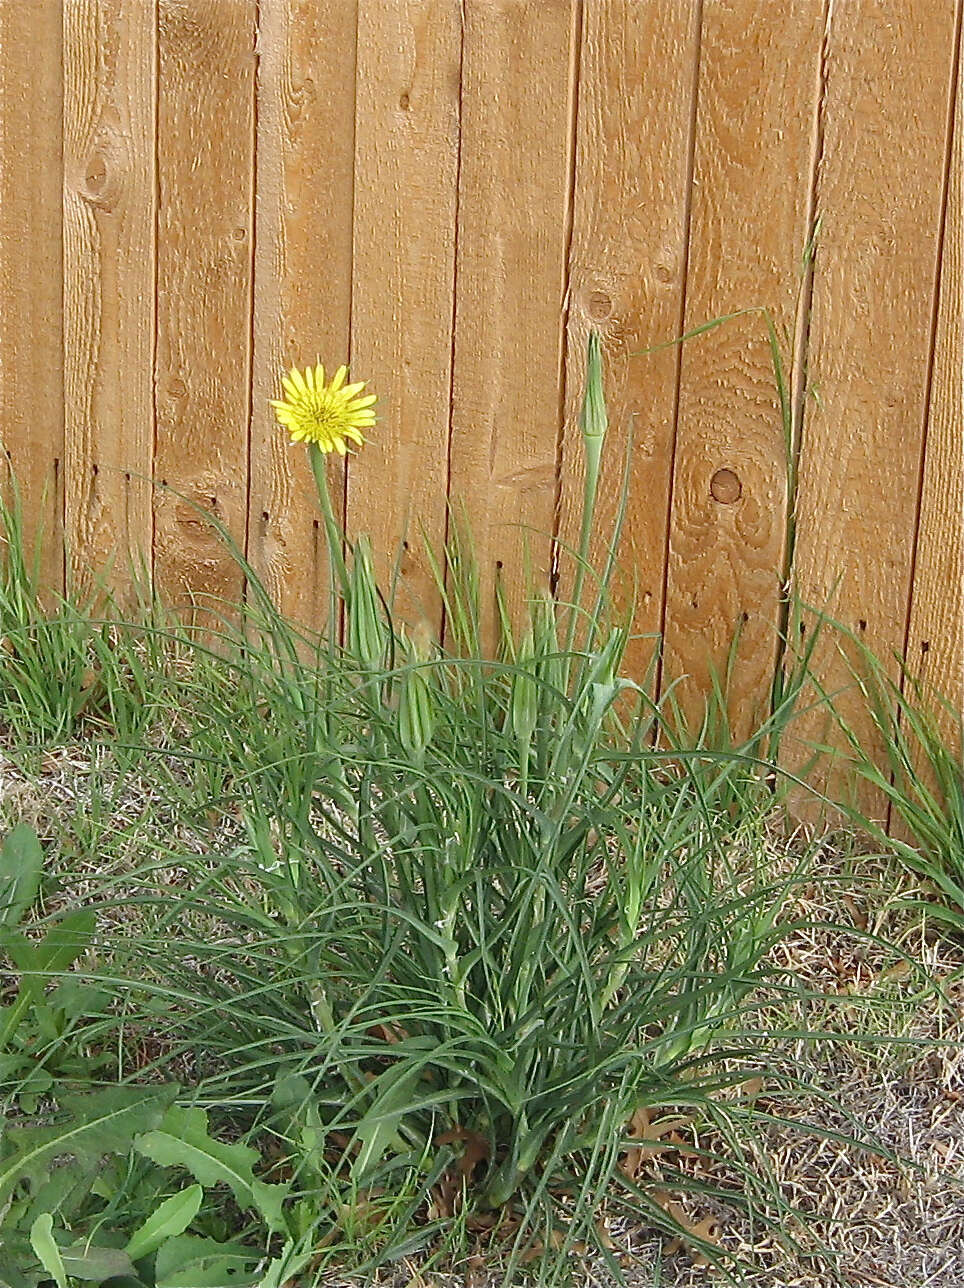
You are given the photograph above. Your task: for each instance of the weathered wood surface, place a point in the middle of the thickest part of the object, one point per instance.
(205, 181)
(447, 194)
(109, 219)
(881, 191)
(31, 268)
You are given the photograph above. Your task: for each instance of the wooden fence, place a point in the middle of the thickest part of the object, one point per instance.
(448, 194)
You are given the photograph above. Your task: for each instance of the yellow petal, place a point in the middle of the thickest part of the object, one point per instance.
(319, 377)
(298, 380)
(368, 401)
(338, 379)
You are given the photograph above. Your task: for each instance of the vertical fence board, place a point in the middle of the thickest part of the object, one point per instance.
(205, 177)
(757, 102)
(511, 255)
(637, 78)
(406, 168)
(109, 182)
(935, 644)
(302, 284)
(31, 282)
(880, 195)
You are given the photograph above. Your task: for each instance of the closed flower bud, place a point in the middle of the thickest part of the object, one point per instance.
(524, 701)
(367, 634)
(593, 420)
(416, 710)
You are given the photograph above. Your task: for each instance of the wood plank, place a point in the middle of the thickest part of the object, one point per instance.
(302, 280)
(514, 218)
(109, 186)
(31, 287)
(637, 80)
(205, 150)
(406, 174)
(881, 197)
(755, 140)
(935, 642)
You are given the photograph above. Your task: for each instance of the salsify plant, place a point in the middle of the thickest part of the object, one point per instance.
(484, 930)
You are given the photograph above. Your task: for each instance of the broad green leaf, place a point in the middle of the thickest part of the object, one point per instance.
(90, 1126)
(21, 864)
(171, 1218)
(44, 1245)
(182, 1140)
(189, 1261)
(14, 1256)
(96, 1265)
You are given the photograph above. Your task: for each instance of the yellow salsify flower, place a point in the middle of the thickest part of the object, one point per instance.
(328, 415)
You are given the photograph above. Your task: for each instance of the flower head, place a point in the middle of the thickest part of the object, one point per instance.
(328, 415)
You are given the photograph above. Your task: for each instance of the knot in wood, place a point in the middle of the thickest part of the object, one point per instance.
(725, 487)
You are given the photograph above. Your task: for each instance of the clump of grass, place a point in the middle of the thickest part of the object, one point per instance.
(917, 770)
(74, 661)
(481, 958)
(491, 921)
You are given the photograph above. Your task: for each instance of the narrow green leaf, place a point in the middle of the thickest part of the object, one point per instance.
(21, 864)
(171, 1218)
(48, 1254)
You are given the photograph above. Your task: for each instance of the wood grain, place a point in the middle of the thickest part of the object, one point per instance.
(935, 640)
(881, 196)
(406, 173)
(757, 103)
(636, 87)
(31, 283)
(302, 275)
(511, 271)
(109, 214)
(205, 173)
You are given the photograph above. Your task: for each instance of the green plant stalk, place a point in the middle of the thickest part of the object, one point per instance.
(337, 570)
(593, 421)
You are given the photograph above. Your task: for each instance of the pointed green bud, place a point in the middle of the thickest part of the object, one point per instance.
(416, 710)
(367, 635)
(524, 704)
(593, 420)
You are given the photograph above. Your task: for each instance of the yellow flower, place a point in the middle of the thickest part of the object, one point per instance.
(328, 415)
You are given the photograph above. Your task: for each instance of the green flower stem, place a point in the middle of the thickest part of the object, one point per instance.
(337, 571)
(593, 421)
